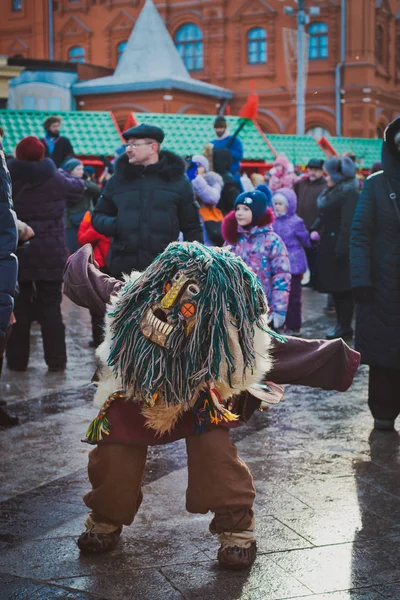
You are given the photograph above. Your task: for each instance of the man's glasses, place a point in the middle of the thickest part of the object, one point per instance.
(136, 145)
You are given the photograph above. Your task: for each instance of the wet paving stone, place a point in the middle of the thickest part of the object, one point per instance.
(264, 581)
(359, 594)
(14, 588)
(337, 567)
(140, 585)
(327, 506)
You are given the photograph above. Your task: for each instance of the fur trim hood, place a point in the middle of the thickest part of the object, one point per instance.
(230, 231)
(284, 162)
(31, 172)
(291, 198)
(213, 178)
(170, 167)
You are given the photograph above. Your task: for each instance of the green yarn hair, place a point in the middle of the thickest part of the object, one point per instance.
(229, 291)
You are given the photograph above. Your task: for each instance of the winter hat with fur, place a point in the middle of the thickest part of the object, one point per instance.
(340, 169)
(256, 201)
(199, 159)
(30, 149)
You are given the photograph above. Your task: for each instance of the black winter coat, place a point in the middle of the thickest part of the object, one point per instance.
(143, 209)
(40, 197)
(375, 262)
(62, 150)
(336, 209)
(8, 245)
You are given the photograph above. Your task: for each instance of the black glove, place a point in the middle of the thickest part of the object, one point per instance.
(364, 294)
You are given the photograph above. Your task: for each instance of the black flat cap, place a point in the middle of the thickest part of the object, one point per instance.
(315, 163)
(144, 131)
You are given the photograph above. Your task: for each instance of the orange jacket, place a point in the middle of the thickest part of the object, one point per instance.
(88, 235)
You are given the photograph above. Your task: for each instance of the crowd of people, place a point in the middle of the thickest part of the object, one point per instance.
(282, 223)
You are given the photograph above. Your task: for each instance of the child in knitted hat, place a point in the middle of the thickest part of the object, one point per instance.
(249, 229)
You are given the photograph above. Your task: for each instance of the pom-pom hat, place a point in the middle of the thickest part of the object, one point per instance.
(256, 201)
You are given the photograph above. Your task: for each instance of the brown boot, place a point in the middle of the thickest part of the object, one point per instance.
(235, 557)
(98, 537)
(238, 550)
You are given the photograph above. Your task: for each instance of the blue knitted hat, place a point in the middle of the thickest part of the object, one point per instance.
(256, 201)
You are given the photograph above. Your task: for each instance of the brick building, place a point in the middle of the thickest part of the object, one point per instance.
(228, 44)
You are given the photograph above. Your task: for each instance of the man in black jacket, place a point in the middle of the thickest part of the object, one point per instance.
(57, 147)
(146, 203)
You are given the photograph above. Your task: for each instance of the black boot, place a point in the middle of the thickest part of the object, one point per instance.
(7, 420)
(343, 328)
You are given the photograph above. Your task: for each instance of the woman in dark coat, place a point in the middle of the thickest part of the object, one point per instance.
(40, 195)
(337, 203)
(375, 278)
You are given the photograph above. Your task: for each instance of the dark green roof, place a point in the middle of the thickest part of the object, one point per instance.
(90, 132)
(188, 134)
(367, 150)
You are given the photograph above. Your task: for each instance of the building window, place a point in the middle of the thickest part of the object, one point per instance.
(189, 43)
(379, 51)
(318, 47)
(257, 46)
(120, 49)
(16, 5)
(54, 104)
(28, 102)
(76, 54)
(318, 132)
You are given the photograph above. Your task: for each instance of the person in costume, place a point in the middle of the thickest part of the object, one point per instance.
(185, 355)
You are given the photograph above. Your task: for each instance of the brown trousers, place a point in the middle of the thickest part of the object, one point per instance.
(219, 481)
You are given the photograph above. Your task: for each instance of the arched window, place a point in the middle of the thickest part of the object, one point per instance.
(318, 132)
(379, 51)
(257, 46)
(189, 43)
(16, 5)
(318, 47)
(76, 54)
(120, 49)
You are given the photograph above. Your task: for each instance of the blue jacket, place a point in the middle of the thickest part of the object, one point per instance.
(236, 149)
(8, 245)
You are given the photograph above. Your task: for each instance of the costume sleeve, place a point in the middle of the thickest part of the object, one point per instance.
(189, 219)
(209, 194)
(85, 284)
(342, 248)
(280, 277)
(314, 363)
(104, 217)
(8, 244)
(361, 238)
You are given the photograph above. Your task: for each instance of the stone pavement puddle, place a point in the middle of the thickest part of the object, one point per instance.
(327, 509)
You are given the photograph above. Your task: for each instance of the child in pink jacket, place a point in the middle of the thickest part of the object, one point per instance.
(282, 174)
